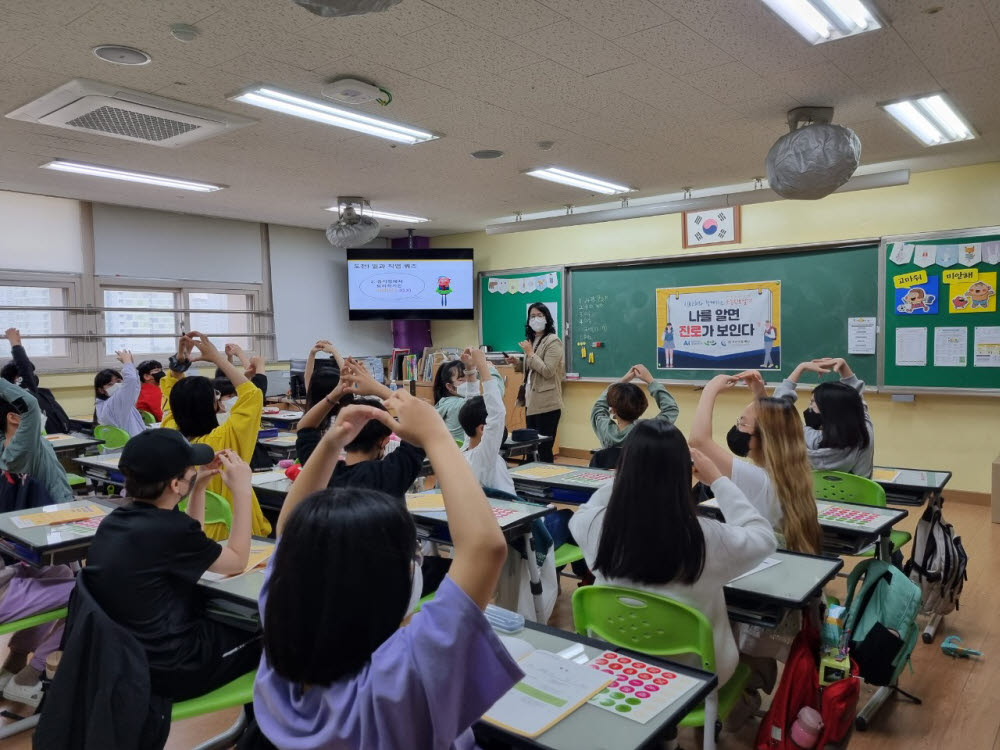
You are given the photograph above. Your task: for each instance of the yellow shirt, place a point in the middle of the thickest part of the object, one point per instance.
(238, 433)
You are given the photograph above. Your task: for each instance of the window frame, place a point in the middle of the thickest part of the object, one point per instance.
(75, 333)
(260, 335)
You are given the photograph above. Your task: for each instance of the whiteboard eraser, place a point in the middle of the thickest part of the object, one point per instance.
(572, 376)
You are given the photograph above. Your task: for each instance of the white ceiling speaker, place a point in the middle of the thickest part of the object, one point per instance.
(815, 158)
(351, 91)
(353, 228)
(103, 109)
(121, 55)
(334, 8)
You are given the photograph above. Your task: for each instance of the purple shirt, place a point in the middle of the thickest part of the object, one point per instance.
(423, 687)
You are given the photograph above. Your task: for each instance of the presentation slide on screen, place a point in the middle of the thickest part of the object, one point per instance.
(410, 284)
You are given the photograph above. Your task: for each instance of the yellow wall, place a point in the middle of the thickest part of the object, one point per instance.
(939, 432)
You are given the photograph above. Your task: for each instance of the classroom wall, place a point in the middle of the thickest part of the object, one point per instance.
(940, 432)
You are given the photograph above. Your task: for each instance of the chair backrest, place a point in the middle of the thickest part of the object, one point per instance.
(147, 418)
(113, 437)
(217, 509)
(848, 488)
(647, 623)
(606, 458)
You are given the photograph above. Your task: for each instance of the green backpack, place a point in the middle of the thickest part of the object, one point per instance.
(881, 620)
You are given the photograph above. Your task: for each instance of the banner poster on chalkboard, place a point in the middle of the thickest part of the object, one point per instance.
(719, 327)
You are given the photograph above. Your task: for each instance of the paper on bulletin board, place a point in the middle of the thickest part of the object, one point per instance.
(986, 346)
(951, 346)
(861, 335)
(902, 253)
(911, 347)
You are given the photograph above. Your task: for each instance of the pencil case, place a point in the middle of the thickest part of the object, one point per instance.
(503, 619)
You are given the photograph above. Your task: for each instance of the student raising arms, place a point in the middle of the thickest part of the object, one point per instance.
(622, 403)
(115, 394)
(363, 464)
(779, 482)
(453, 383)
(838, 431)
(483, 418)
(643, 531)
(192, 409)
(339, 668)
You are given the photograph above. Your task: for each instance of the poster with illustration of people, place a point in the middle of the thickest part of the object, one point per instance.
(719, 327)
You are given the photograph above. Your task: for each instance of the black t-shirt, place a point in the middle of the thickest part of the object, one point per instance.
(393, 474)
(142, 568)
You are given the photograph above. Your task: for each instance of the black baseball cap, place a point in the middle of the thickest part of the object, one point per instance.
(156, 455)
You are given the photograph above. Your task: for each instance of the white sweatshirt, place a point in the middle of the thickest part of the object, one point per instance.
(731, 548)
(487, 464)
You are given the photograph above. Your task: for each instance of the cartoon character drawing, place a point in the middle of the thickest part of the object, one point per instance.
(979, 295)
(916, 300)
(444, 289)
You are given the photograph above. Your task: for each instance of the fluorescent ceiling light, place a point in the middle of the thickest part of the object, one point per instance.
(94, 170)
(562, 176)
(932, 119)
(386, 215)
(819, 21)
(318, 110)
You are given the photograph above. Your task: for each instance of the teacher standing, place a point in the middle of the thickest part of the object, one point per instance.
(544, 365)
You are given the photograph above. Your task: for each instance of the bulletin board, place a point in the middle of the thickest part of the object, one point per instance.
(940, 322)
(504, 297)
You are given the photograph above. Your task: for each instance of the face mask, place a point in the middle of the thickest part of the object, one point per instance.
(158, 376)
(738, 441)
(416, 588)
(111, 390)
(227, 405)
(813, 419)
(537, 324)
(18, 381)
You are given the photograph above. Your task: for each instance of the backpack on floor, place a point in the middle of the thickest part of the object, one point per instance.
(881, 620)
(837, 703)
(938, 564)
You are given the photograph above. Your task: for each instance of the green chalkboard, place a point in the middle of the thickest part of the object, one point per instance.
(820, 289)
(502, 313)
(947, 328)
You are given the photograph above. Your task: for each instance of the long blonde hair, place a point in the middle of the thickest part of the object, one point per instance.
(783, 456)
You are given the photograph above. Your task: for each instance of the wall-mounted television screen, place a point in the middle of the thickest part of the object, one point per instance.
(416, 284)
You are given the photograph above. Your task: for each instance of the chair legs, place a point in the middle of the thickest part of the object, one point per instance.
(228, 738)
(711, 717)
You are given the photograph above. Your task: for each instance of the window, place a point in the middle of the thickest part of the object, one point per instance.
(135, 329)
(148, 319)
(32, 316)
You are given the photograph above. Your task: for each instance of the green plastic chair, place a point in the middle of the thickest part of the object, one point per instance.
(423, 601)
(113, 437)
(239, 692)
(147, 418)
(850, 488)
(658, 626)
(567, 553)
(29, 622)
(217, 509)
(77, 483)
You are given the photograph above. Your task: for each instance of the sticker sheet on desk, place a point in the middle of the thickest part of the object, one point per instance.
(846, 516)
(639, 691)
(542, 472)
(59, 516)
(506, 516)
(586, 477)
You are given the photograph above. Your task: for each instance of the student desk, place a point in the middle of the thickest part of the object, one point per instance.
(48, 545)
(847, 528)
(103, 468)
(593, 727)
(280, 446)
(588, 726)
(72, 444)
(910, 486)
(566, 484)
(271, 487)
(515, 519)
(761, 598)
(283, 418)
(527, 450)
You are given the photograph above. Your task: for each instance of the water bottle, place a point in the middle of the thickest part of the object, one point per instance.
(392, 385)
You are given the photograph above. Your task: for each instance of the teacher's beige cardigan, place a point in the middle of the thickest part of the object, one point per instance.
(547, 365)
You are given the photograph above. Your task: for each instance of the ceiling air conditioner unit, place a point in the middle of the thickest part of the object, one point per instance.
(103, 109)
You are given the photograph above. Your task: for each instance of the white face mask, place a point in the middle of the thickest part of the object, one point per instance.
(228, 404)
(111, 390)
(537, 324)
(416, 588)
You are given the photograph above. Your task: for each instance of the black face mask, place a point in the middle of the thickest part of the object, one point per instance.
(158, 376)
(738, 441)
(813, 419)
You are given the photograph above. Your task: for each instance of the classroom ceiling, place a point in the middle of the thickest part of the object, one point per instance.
(659, 94)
